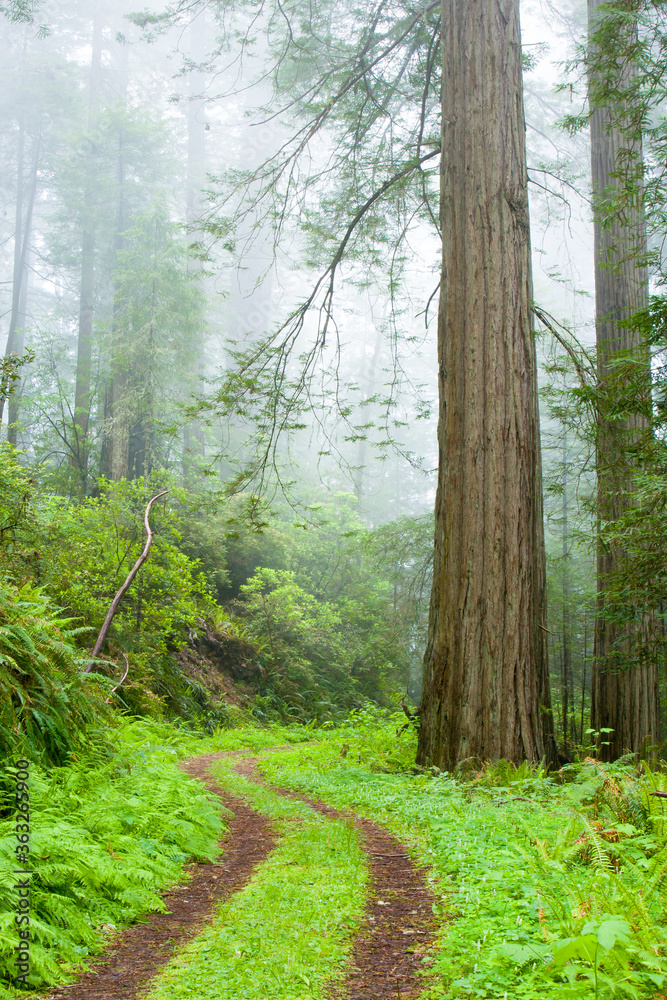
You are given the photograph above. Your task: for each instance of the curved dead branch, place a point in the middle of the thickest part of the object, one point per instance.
(126, 586)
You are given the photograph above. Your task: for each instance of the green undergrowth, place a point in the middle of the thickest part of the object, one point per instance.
(46, 705)
(549, 886)
(108, 832)
(287, 935)
(153, 736)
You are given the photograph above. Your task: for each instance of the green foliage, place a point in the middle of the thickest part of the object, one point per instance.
(10, 368)
(338, 611)
(550, 886)
(46, 707)
(303, 646)
(288, 934)
(319, 658)
(93, 545)
(17, 490)
(81, 551)
(20, 11)
(107, 835)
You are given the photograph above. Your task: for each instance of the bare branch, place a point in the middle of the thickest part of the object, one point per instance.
(126, 586)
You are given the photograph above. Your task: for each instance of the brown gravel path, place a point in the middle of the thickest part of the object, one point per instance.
(139, 952)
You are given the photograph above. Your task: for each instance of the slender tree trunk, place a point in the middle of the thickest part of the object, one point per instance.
(17, 277)
(22, 233)
(14, 401)
(193, 437)
(16, 336)
(486, 683)
(82, 396)
(567, 645)
(583, 681)
(625, 701)
(115, 453)
(117, 403)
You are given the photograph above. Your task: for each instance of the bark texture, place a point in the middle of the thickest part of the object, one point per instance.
(486, 684)
(623, 700)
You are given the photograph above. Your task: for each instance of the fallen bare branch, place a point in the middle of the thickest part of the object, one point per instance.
(126, 586)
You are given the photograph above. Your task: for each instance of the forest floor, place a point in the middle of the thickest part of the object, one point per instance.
(391, 940)
(345, 872)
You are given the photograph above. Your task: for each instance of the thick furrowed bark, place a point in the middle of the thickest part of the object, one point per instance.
(486, 687)
(625, 701)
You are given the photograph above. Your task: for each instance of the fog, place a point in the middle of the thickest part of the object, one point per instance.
(160, 142)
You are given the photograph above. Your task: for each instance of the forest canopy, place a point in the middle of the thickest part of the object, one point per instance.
(223, 257)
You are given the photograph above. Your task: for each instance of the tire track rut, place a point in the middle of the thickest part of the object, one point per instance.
(397, 929)
(140, 951)
(399, 923)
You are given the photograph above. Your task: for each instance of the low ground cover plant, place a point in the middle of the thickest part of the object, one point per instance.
(551, 885)
(288, 935)
(109, 831)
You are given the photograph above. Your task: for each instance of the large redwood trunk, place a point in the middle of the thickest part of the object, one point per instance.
(486, 685)
(623, 700)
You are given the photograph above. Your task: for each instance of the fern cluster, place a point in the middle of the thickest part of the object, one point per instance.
(107, 835)
(46, 707)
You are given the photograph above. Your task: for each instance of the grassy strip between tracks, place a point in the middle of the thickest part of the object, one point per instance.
(550, 886)
(288, 934)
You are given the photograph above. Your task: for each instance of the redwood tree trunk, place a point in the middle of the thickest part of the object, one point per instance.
(625, 701)
(486, 684)
(193, 435)
(566, 616)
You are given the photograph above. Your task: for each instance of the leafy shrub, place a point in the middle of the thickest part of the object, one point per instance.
(305, 647)
(93, 545)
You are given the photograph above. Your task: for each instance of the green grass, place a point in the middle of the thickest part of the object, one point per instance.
(538, 900)
(550, 887)
(288, 934)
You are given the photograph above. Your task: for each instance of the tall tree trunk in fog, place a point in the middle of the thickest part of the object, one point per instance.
(114, 459)
(193, 443)
(82, 396)
(22, 232)
(567, 640)
(115, 452)
(486, 683)
(623, 700)
(14, 401)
